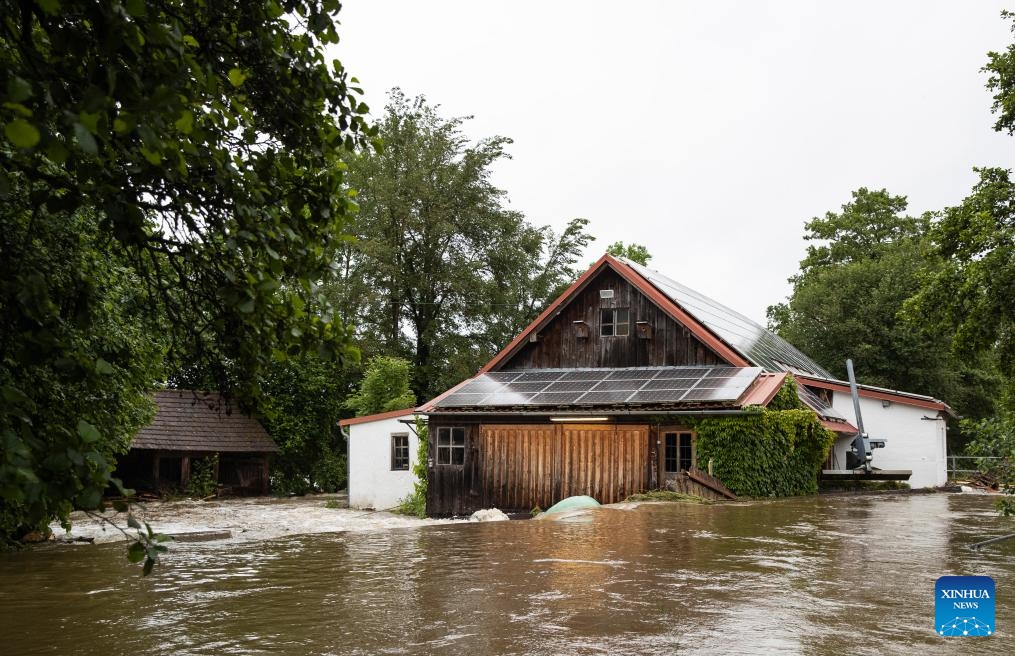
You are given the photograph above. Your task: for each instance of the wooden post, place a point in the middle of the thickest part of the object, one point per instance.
(184, 470)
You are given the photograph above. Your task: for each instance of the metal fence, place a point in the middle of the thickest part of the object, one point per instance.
(970, 464)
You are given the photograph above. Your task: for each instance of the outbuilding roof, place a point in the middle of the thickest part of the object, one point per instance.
(201, 421)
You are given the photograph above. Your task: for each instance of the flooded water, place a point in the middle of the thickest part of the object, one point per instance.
(830, 575)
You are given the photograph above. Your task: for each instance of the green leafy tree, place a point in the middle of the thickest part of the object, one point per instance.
(303, 399)
(385, 387)
(204, 140)
(442, 273)
(634, 252)
(865, 263)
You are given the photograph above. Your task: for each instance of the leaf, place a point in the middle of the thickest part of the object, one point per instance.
(133, 523)
(136, 552)
(18, 89)
(119, 505)
(103, 368)
(51, 7)
(236, 77)
(85, 139)
(88, 433)
(190, 41)
(21, 133)
(149, 565)
(153, 156)
(247, 306)
(185, 123)
(136, 8)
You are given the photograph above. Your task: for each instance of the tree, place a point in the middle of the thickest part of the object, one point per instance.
(848, 298)
(441, 270)
(384, 387)
(634, 252)
(302, 402)
(203, 138)
(974, 291)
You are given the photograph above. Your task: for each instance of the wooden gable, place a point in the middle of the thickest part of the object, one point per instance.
(574, 337)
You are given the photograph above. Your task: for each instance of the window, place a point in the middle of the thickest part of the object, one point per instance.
(614, 322)
(678, 454)
(400, 452)
(451, 445)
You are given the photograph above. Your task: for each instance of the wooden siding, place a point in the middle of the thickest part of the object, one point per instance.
(516, 467)
(559, 344)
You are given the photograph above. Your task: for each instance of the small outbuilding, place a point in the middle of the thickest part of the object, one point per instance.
(191, 426)
(382, 453)
(625, 383)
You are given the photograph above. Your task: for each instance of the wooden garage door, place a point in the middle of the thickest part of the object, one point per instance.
(524, 466)
(608, 463)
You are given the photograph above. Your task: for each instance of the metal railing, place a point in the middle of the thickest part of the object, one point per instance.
(954, 469)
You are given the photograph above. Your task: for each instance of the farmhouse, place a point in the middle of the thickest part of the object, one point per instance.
(629, 381)
(190, 426)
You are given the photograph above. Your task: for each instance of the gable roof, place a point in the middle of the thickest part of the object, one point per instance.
(666, 304)
(391, 414)
(199, 421)
(737, 339)
(756, 344)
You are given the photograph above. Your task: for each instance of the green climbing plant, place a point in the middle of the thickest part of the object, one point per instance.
(202, 482)
(774, 451)
(415, 502)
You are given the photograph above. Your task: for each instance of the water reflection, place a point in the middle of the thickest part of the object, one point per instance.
(850, 575)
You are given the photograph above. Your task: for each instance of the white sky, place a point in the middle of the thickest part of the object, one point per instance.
(707, 131)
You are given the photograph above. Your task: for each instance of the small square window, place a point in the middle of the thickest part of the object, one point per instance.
(451, 445)
(400, 452)
(614, 322)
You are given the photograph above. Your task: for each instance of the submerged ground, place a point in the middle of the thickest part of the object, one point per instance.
(821, 575)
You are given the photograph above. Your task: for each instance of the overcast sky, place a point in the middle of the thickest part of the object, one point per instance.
(707, 131)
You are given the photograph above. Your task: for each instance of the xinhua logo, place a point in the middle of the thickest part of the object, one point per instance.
(964, 606)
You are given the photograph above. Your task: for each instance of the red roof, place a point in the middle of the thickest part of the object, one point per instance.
(664, 302)
(405, 412)
(905, 398)
(764, 390)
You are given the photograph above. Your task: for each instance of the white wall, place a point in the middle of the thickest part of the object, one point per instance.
(372, 484)
(913, 442)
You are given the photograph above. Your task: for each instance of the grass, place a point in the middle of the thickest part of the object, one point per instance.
(332, 504)
(666, 495)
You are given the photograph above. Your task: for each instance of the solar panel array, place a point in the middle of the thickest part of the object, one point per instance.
(758, 345)
(592, 387)
(814, 402)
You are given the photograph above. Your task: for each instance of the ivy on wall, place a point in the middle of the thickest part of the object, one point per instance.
(773, 451)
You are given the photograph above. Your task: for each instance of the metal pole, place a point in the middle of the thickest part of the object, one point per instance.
(992, 540)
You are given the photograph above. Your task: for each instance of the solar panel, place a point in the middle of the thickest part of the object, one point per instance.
(503, 376)
(712, 394)
(629, 374)
(556, 398)
(570, 386)
(584, 374)
(536, 376)
(657, 396)
(815, 403)
(605, 397)
(462, 400)
(509, 399)
(670, 384)
(617, 385)
(759, 346)
(642, 385)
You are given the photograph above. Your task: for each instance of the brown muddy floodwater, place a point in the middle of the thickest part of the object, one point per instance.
(829, 575)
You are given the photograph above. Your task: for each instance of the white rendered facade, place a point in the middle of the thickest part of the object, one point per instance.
(373, 483)
(916, 438)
